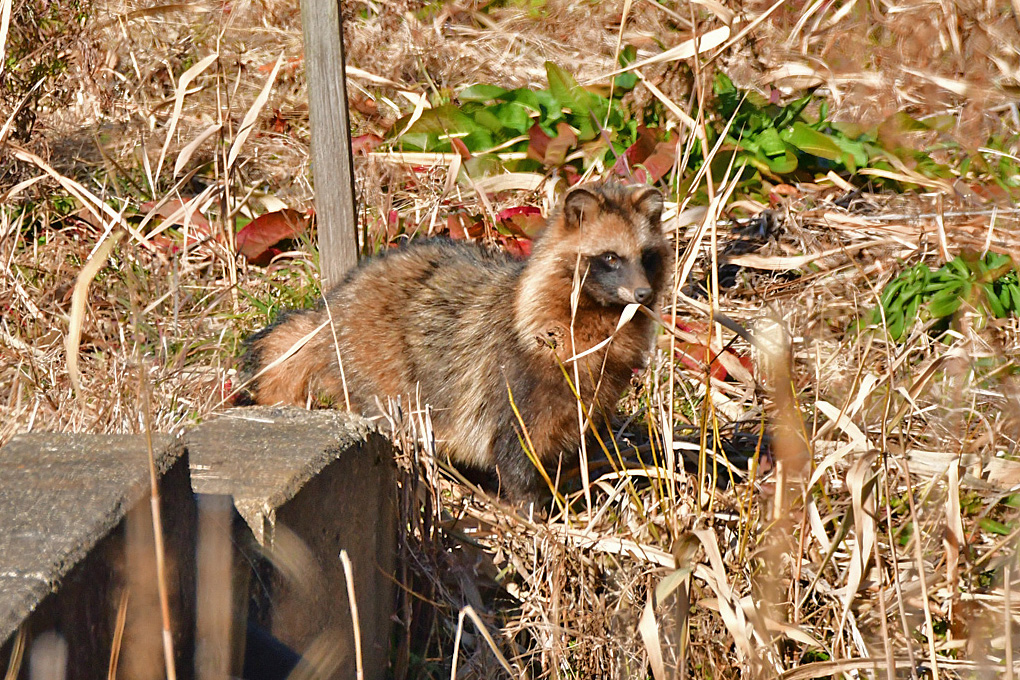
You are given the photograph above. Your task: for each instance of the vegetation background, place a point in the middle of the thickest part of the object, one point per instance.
(842, 178)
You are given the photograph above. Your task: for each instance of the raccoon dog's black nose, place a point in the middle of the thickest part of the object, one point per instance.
(643, 295)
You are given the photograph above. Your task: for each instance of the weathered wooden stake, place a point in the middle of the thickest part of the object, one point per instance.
(332, 167)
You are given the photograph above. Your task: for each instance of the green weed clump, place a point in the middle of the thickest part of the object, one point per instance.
(547, 124)
(987, 284)
(572, 128)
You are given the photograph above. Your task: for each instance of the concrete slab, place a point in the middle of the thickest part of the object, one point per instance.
(60, 495)
(67, 507)
(19, 595)
(309, 484)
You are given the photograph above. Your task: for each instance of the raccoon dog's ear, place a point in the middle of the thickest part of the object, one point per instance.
(647, 201)
(579, 204)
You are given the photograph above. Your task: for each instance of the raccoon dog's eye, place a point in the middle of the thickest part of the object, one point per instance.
(611, 260)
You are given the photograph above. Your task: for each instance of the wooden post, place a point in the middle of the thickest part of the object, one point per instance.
(332, 166)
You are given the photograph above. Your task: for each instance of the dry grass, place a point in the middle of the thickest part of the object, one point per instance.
(877, 536)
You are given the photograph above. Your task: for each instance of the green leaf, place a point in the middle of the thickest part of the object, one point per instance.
(727, 94)
(526, 97)
(914, 285)
(944, 278)
(911, 312)
(944, 304)
(443, 120)
(855, 154)
(998, 265)
(895, 325)
(625, 81)
(1014, 293)
(627, 55)
(990, 525)
(512, 116)
(995, 260)
(747, 143)
(911, 291)
(415, 141)
(896, 304)
(958, 266)
(481, 93)
(892, 289)
(488, 120)
(791, 112)
(942, 123)
(783, 165)
(478, 140)
(585, 108)
(811, 141)
(547, 104)
(992, 299)
(901, 121)
(849, 130)
(566, 90)
(1004, 298)
(770, 143)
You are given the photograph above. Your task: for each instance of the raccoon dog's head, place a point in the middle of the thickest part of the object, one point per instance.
(616, 231)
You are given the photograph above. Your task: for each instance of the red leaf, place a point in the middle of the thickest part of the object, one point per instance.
(518, 247)
(696, 355)
(455, 227)
(565, 140)
(460, 147)
(524, 221)
(690, 354)
(779, 191)
(637, 152)
(572, 175)
(659, 163)
(551, 150)
(279, 124)
(462, 227)
(363, 104)
(538, 142)
(256, 239)
(989, 192)
(362, 145)
(510, 213)
(290, 64)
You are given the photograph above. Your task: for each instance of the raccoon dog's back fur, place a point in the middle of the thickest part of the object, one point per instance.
(462, 327)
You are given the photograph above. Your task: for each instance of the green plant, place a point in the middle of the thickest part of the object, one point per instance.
(572, 127)
(548, 124)
(988, 284)
(777, 140)
(781, 140)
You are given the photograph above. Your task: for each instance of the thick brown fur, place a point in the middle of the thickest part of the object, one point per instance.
(460, 328)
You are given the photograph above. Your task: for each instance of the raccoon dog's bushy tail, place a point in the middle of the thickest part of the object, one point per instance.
(282, 360)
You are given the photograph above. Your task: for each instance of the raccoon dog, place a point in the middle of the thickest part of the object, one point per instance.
(463, 329)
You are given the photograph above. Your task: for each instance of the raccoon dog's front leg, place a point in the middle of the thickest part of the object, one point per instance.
(519, 479)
